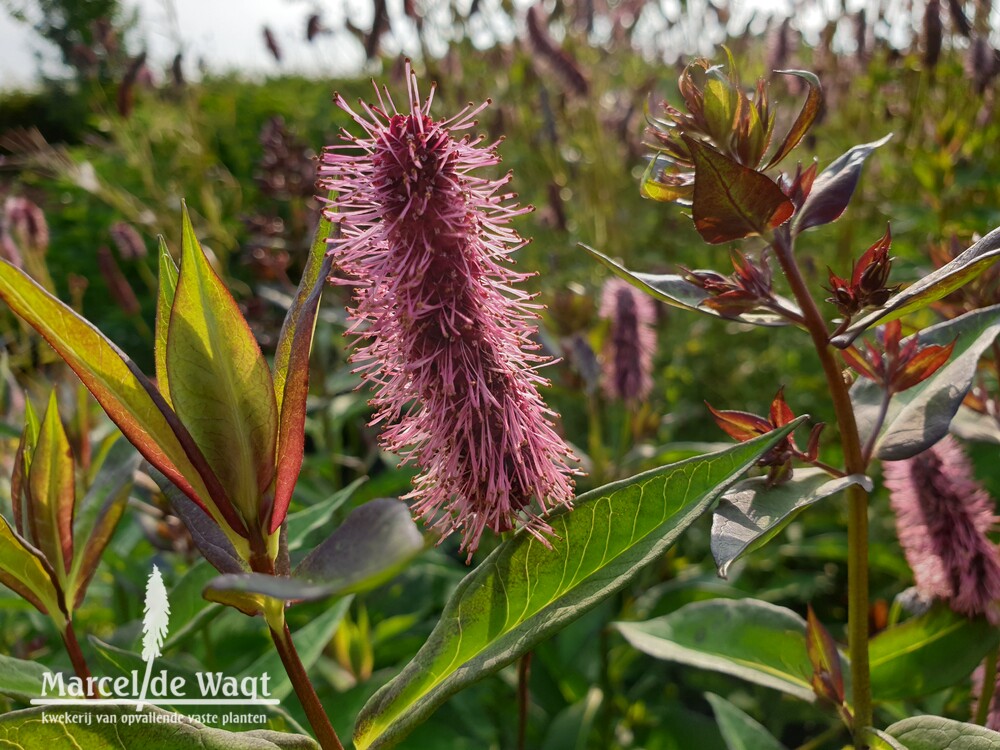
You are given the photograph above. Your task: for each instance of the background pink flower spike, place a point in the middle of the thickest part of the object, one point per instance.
(443, 332)
(942, 518)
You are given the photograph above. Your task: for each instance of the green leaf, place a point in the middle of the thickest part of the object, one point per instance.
(936, 733)
(833, 188)
(52, 491)
(164, 301)
(879, 740)
(751, 514)
(746, 638)
(807, 115)
(24, 570)
(302, 523)
(220, 384)
(98, 514)
(374, 543)
(570, 729)
(310, 641)
(928, 653)
(291, 371)
(21, 679)
(676, 291)
(129, 398)
(118, 728)
(920, 416)
(732, 201)
(740, 731)
(932, 287)
(528, 588)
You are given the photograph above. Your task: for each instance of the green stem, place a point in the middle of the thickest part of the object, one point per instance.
(76, 657)
(989, 686)
(318, 719)
(857, 498)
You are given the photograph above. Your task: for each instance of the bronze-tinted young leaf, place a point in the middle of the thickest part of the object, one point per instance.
(25, 571)
(859, 363)
(937, 284)
(53, 492)
(827, 678)
(164, 301)
(732, 201)
(220, 384)
(291, 372)
(98, 514)
(832, 190)
(925, 363)
(740, 425)
(129, 398)
(920, 416)
(677, 291)
(807, 115)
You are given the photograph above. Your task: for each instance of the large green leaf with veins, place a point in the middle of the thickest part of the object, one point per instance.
(527, 589)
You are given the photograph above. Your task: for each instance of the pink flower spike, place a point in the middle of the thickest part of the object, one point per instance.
(942, 518)
(443, 335)
(628, 354)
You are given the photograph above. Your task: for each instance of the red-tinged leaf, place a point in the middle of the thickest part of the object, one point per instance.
(807, 115)
(291, 372)
(880, 245)
(812, 445)
(24, 570)
(22, 463)
(732, 201)
(98, 513)
(857, 362)
(827, 677)
(53, 493)
(671, 188)
(924, 364)
(164, 301)
(833, 188)
(781, 414)
(939, 283)
(129, 398)
(740, 425)
(220, 384)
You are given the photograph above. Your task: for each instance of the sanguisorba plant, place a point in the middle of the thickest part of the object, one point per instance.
(717, 154)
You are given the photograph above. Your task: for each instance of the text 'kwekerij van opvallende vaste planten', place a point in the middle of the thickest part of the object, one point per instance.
(440, 498)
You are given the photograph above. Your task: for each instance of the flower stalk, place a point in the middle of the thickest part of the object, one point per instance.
(857, 497)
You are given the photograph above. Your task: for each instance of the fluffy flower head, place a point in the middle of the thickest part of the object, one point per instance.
(444, 334)
(942, 516)
(628, 353)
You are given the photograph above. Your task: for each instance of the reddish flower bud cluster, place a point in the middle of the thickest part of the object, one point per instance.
(748, 288)
(744, 426)
(900, 365)
(867, 285)
(447, 333)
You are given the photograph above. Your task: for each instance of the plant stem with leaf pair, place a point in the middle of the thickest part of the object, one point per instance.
(857, 497)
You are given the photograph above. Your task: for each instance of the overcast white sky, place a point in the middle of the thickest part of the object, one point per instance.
(227, 34)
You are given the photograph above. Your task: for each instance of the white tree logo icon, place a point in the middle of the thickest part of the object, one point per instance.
(155, 618)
